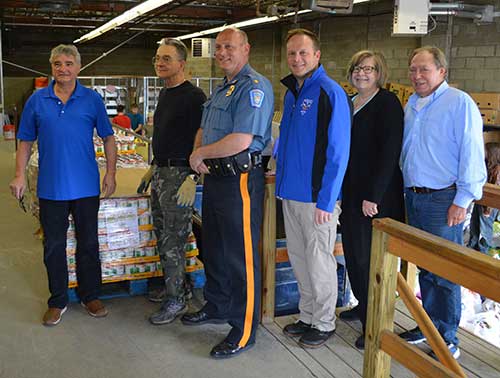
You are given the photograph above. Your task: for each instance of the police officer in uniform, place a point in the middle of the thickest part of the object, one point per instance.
(236, 126)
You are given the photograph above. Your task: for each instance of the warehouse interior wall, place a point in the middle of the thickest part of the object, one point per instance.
(474, 50)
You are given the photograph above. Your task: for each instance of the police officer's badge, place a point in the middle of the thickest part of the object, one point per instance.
(230, 91)
(256, 98)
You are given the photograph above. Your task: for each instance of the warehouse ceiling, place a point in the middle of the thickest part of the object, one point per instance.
(176, 18)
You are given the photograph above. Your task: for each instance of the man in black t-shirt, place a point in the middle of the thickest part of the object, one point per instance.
(176, 120)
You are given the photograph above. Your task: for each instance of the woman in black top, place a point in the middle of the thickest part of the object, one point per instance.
(373, 184)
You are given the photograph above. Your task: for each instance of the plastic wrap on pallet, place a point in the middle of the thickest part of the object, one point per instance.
(123, 234)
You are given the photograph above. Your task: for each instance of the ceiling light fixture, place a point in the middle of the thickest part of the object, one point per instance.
(242, 24)
(254, 21)
(125, 17)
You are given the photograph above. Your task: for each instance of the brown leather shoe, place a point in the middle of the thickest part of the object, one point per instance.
(95, 308)
(53, 316)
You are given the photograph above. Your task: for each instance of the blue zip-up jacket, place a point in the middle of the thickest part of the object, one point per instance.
(314, 141)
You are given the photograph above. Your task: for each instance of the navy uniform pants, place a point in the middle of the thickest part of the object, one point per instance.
(232, 217)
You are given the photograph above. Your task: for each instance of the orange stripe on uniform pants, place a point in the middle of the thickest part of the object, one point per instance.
(247, 239)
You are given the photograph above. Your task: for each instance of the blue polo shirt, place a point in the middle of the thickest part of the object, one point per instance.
(242, 105)
(67, 168)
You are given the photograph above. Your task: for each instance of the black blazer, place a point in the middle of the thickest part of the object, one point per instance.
(373, 171)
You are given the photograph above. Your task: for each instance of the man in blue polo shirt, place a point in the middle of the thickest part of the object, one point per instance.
(62, 118)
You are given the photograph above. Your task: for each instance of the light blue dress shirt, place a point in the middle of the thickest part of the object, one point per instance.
(443, 144)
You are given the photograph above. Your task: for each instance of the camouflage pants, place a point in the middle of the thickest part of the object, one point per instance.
(172, 225)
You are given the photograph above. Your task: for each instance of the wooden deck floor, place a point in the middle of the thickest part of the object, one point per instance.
(340, 358)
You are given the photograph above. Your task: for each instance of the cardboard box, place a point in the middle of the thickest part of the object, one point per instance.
(490, 116)
(127, 180)
(408, 91)
(491, 136)
(397, 89)
(487, 100)
(350, 90)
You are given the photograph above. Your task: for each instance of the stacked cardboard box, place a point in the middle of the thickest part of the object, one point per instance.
(127, 245)
(350, 90)
(489, 106)
(403, 92)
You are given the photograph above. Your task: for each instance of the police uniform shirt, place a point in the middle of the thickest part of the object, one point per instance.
(242, 105)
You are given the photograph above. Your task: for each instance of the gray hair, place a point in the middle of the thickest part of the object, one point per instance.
(179, 46)
(437, 54)
(69, 50)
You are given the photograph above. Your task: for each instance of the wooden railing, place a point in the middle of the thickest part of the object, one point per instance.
(269, 251)
(466, 267)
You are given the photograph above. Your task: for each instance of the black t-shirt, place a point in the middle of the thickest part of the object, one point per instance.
(177, 118)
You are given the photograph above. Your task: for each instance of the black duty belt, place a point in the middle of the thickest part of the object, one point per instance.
(234, 165)
(422, 190)
(173, 163)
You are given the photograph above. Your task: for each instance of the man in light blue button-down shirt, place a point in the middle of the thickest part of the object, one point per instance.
(444, 171)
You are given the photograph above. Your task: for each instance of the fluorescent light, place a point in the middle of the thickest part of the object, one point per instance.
(125, 17)
(254, 21)
(242, 24)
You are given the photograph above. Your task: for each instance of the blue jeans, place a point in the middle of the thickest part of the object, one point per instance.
(481, 229)
(441, 298)
(54, 221)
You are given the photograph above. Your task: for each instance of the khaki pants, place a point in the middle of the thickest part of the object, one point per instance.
(310, 248)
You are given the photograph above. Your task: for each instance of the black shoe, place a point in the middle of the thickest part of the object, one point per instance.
(199, 318)
(314, 338)
(226, 349)
(413, 336)
(360, 342)
(296, 329)
(350, 315)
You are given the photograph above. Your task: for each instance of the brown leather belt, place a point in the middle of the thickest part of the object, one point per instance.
(422, 190)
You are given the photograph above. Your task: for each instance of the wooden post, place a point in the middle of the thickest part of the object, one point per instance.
(381, 304)
(269, 251)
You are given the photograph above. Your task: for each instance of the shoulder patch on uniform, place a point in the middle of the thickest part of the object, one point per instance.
(256, 98)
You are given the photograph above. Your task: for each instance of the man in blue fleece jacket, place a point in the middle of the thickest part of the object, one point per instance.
(311, 163)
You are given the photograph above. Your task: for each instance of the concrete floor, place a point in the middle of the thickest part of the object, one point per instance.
(122, 345)
(125, 345)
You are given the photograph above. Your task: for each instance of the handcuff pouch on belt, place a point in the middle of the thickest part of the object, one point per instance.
(233, 165)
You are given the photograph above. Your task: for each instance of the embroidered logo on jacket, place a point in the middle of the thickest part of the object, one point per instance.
(305, 106)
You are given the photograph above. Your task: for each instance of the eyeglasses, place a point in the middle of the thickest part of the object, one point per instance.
(164, 59)
(365, 69)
